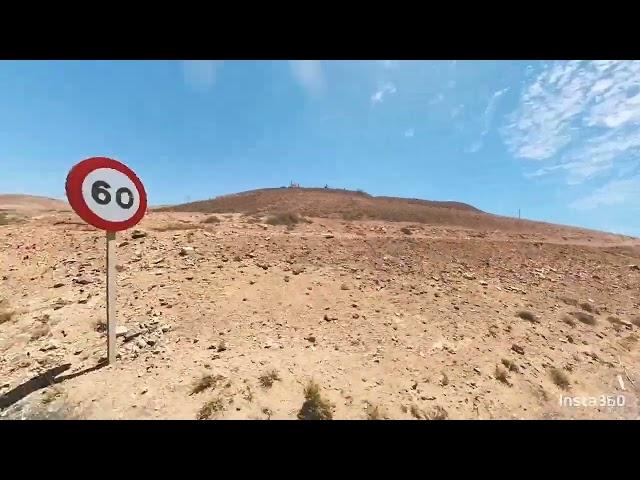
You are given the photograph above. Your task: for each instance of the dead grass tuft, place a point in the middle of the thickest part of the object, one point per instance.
(559, 378)
(176, 226)
(585, 317)
(502, 375)
(569, 301)
(526, 315)
(510, 365)
(375, 412)
(287, 218)
(209, 409)
(267, 379)
(587, 307)
(6, 316)
(315, 407)
(211, 219)
(207, 381)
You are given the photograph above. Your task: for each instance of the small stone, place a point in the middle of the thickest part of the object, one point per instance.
(121, 330)
(344, 286)
(120, 268)
(263, 265)
(136, 234)
(297, 269)
(286, 278)
(355, 315)
(83, 280)
(165, 328)
(328, 235)
(58, 285)
(483, 283)
(469, 276)
(184, 251)
(634, 267)
(141, 343)
(123, 244)
(517, 349)
(52, 345)
(310, 338)
(151, 342)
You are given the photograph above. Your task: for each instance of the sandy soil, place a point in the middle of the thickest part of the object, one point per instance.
(389, 324)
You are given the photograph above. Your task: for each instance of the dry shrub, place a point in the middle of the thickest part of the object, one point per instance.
(286, 218)
(374, 412)
(510, 365)
(585, 318)
(530, 317)
(502, 375)
(569, 301)
(587, 307)
(352, 215)
(6, 316)
(406, 231)
(176, 226)
(437, 413)
(267, 379)
(207, 381)
(211, 219)
(209, 408)
(559, 378)
(315, 407)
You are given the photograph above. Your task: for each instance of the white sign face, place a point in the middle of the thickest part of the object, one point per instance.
(110, 194)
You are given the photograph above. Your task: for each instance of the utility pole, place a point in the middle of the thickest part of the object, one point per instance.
(518, 214)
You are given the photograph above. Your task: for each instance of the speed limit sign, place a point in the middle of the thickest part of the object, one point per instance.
(108, 195)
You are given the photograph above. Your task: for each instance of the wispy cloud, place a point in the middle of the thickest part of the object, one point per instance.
(409, 132)
(200, 75)
(615, 192)
(384, 89)
(490, 111)
(309, 74)
(437, 99)
(474, 147)
(584, 117)
(457, 111)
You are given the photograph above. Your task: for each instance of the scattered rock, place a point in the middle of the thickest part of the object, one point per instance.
(297, 269)
(517, 349)
(310, 338)
(328, 235)
(184, 251)
(136, 234)
(83, 280)
(330, 319)
(469, 276)
(634, 267)
(58, 285)
(121, 330)
(344, 286)
(141, 343)
(262, 265)
(123, 244)
(52, 345)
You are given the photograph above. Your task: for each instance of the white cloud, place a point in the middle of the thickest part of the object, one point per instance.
(615, 192)
(457, 111)
(489, 112)
(378, 96)
(410, 132)
(437, 99)
(583, 116)
(309, 74)
(475, 147)
(200, 75)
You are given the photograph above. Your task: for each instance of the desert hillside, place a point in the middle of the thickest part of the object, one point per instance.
(258, 316)
(30, 203)
(350, 205)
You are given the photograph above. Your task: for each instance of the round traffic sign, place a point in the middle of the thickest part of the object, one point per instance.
(106, 194)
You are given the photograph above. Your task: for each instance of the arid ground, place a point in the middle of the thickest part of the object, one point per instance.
(318, 305)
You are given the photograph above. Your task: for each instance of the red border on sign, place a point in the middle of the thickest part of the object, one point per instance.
(73, 187)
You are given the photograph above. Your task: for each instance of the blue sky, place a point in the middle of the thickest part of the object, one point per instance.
(559, 140)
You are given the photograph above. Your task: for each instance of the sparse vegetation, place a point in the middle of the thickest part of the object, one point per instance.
(585, 318)
(502, 375)
(205, 382)
(587, 307)
(100, 326)
(287, 218)
(211, 219)
(6, 316)
(315, 407)
(528, 316)
(210, 408)
(50, 395)
(267, 379)
(559, 378)
(437, 413)
(569, 301)
(510, 365)
(352, 215)
(406, 231)
(374, 412)
(176, 226)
